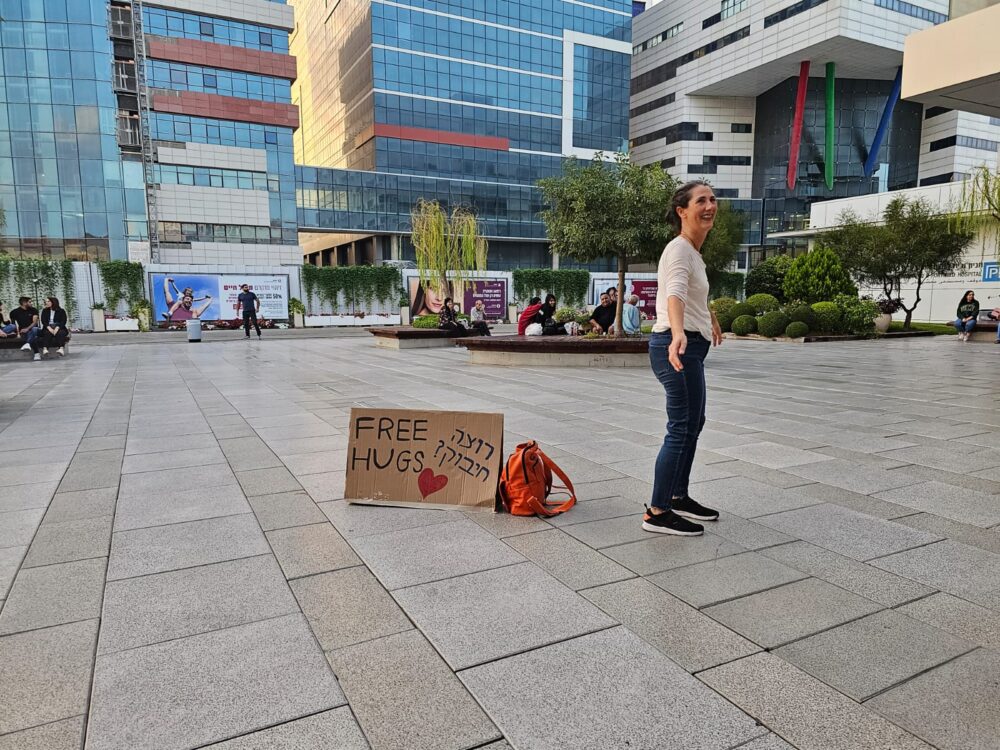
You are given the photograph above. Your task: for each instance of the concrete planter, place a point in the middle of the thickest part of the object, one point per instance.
(511, 313)
(97, 316)
(404, 315)
(882, 322)
(122, 324)
(298, 320)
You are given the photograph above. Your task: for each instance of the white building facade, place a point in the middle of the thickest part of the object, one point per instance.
(717, 91)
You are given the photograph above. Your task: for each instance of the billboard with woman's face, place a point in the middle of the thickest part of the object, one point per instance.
(427, 299)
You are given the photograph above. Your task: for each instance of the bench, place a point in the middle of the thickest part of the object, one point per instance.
(10, 349)
(557, 351)
(407, 337)
(985, 330)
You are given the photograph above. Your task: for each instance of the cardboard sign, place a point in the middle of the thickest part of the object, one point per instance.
(424, 459)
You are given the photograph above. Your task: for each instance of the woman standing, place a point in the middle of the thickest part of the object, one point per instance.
(967, 312)
(685, 330)
(54, 330)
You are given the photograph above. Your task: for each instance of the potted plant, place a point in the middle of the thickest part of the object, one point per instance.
(298, 311)
(141, 310)
(886, 308)
(97, 316)
(404, 308)
(566, 316)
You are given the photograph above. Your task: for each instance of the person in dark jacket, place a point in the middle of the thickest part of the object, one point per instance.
(529, 314)
(968, 311)
(448, 319)
(53, 331)
(546, 316)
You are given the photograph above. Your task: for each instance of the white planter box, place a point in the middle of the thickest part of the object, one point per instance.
(316, 321)
(121, 324)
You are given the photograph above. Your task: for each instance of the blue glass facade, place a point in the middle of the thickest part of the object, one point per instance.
(178, 24)
(464, 103)
(66, 187)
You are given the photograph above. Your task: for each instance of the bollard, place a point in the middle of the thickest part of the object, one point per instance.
(194, 331)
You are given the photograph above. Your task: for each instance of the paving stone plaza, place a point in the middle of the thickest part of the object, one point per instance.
(178, 568)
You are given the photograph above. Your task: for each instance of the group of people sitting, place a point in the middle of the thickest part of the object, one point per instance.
(448, 319)
(601, 320)
(40, 332)
(967, 315)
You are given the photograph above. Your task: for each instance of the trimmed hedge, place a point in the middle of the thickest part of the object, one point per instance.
(803, 314)
(742, 308)
(796, 329)
(828, 317)
(772, 324)
(745, 324)
(763, 303)
(722, 308)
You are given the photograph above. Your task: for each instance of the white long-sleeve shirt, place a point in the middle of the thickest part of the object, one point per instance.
(681, 273)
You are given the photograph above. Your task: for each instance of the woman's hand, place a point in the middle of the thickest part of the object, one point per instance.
(678, 345)
(717, 337)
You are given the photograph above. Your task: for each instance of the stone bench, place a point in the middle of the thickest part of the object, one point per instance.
(407, 337)
(557, 351)
(10, 349)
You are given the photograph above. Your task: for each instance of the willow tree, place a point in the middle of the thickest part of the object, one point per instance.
(446, 244)
(601, 210)
(979, 206)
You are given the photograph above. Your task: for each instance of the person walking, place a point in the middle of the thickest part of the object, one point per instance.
(250, 303)
(685, 330)
(967, 312)
(53, 332)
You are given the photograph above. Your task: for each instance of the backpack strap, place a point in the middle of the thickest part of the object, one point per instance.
(545, 509)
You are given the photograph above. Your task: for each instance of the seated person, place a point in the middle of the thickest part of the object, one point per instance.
(631, 320)
(995, 315)
(477, 316)
(448, 319)
(967, 312)
(24, 319)
(53, 332)
(546, 316)
(527, 317)
(602, 320)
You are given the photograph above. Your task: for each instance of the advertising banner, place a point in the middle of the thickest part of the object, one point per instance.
(212, 297)
(423, 459)
(426, 300)
(493, 293)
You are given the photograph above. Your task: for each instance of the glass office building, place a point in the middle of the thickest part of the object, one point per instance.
(452, 100)
(70, 187)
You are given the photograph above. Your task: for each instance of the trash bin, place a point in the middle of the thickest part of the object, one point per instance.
(194, 331)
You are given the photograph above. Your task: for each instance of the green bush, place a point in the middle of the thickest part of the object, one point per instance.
(818, 276)
(828, 317)
(722, 308)
(745, 324)
(433, 321)
(565, 314)
(796, 329)
(801, 314)
(772, 323)
(742, 308)
(858, 315)
(768, 277)
(762, 303)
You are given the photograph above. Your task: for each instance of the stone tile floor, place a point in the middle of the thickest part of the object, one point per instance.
(178, 568)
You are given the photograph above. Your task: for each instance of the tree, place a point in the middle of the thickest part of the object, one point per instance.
(911, 245)
(769, 277)
(979, 206)
(817, 276)
(446, 244)
(598, 210)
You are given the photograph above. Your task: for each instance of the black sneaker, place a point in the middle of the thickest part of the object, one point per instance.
(669, 522)
(689, 508)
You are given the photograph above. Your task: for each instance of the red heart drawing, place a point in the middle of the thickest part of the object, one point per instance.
(429, 484)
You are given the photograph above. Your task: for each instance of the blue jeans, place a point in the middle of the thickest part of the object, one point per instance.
(685, 414)
(9, 328)
(965, 327)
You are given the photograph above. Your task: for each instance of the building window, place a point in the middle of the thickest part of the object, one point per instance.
(934, 112)
(642, 109)
(682, 131)
(729, 8)
(964, 141)
(265, 39)
(207, 28)
(995, 121)
(741, 127)
(209, 81)
(669, 163)
(914, 11)
(728, 193)
(659, 38)
(668, 70)
(791, 10)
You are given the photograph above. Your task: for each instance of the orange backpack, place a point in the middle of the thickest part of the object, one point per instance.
(526, 483)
